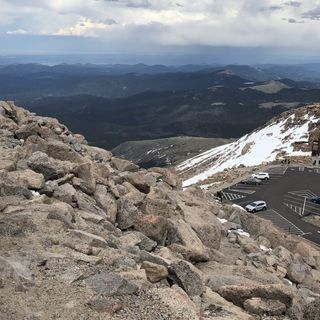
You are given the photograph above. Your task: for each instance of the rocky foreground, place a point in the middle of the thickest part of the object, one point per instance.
(85, 235)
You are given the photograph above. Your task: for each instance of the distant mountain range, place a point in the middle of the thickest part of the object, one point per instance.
(112, 104)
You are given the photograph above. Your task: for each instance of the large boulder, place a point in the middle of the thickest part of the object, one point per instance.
(123, 165)
(310, 254)
(172, 303)
(204, 223)
(127, 214)
(89, 238)
(298, 271)
(98, 154)
(110, 284)
(265, 307)
(216, 307)
(284, 256)
(220, 275)
(169, 176)
(61, 151)
(187, 277)
(239, 294)
(185, 241)
(106, 201)
(141, 180)
(49, 167)
(154, 227)
(155, 272)
(85, 173)
(101, 173)
(27, 179)
(66, 193)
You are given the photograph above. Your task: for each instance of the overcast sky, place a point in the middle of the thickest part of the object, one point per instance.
(159, 26)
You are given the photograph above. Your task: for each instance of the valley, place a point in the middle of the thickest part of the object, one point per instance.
(111, 105)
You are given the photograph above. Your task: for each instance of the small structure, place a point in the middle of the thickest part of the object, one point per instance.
(315, 149)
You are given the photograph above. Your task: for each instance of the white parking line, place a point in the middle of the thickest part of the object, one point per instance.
(303, 193)
(232, 196)
(278, 170)
(310, 208)
(246, 191)
(247, 186)
(281, 221)
(294, 208)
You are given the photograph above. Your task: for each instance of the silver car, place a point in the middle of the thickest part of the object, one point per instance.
(256, 206)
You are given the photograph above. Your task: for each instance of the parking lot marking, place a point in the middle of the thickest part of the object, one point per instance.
(246, 191)
(294, 208)
(301, 168)
(310, 208)
(285, 208)
(278, 170)
(232, 196)
(281, 222)
(247, 186)
(303, 193)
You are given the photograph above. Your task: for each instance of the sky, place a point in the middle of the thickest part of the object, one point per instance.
(248, 29)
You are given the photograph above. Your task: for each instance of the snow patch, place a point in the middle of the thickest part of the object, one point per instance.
(222, 221)
(240, 232)
(35, 193)
(265, 145)
(265, 249)
(238, 207)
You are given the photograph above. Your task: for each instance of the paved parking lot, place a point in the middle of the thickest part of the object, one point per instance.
(288, 194)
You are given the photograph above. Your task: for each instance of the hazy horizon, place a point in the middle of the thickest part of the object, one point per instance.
(214, 59)
(163, 32)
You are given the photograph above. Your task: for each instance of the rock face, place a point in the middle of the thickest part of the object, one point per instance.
(103, 239)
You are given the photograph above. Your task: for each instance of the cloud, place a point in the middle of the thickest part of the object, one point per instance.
(166, 25)
(292, 20)
(139, 4)
(86, 27)
(109, 21)
(18, 31)
(313, 14)
(296, 4)
(274, 8)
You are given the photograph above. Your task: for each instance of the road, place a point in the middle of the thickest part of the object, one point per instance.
(287, 194)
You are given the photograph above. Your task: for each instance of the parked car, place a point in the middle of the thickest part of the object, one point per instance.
(316, 200)
(256, 206)
(252, 181)
(261, 176)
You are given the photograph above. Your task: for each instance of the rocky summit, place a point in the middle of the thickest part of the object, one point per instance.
(86, 235)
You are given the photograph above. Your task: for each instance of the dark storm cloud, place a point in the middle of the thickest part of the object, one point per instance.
(272, 8)
(296, 4)
(292, 20)
(139, 4)
(313, 14)
(109, 22)
(132, 3)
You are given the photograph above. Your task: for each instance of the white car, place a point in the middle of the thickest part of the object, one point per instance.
(256, 206)
(261, 176)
